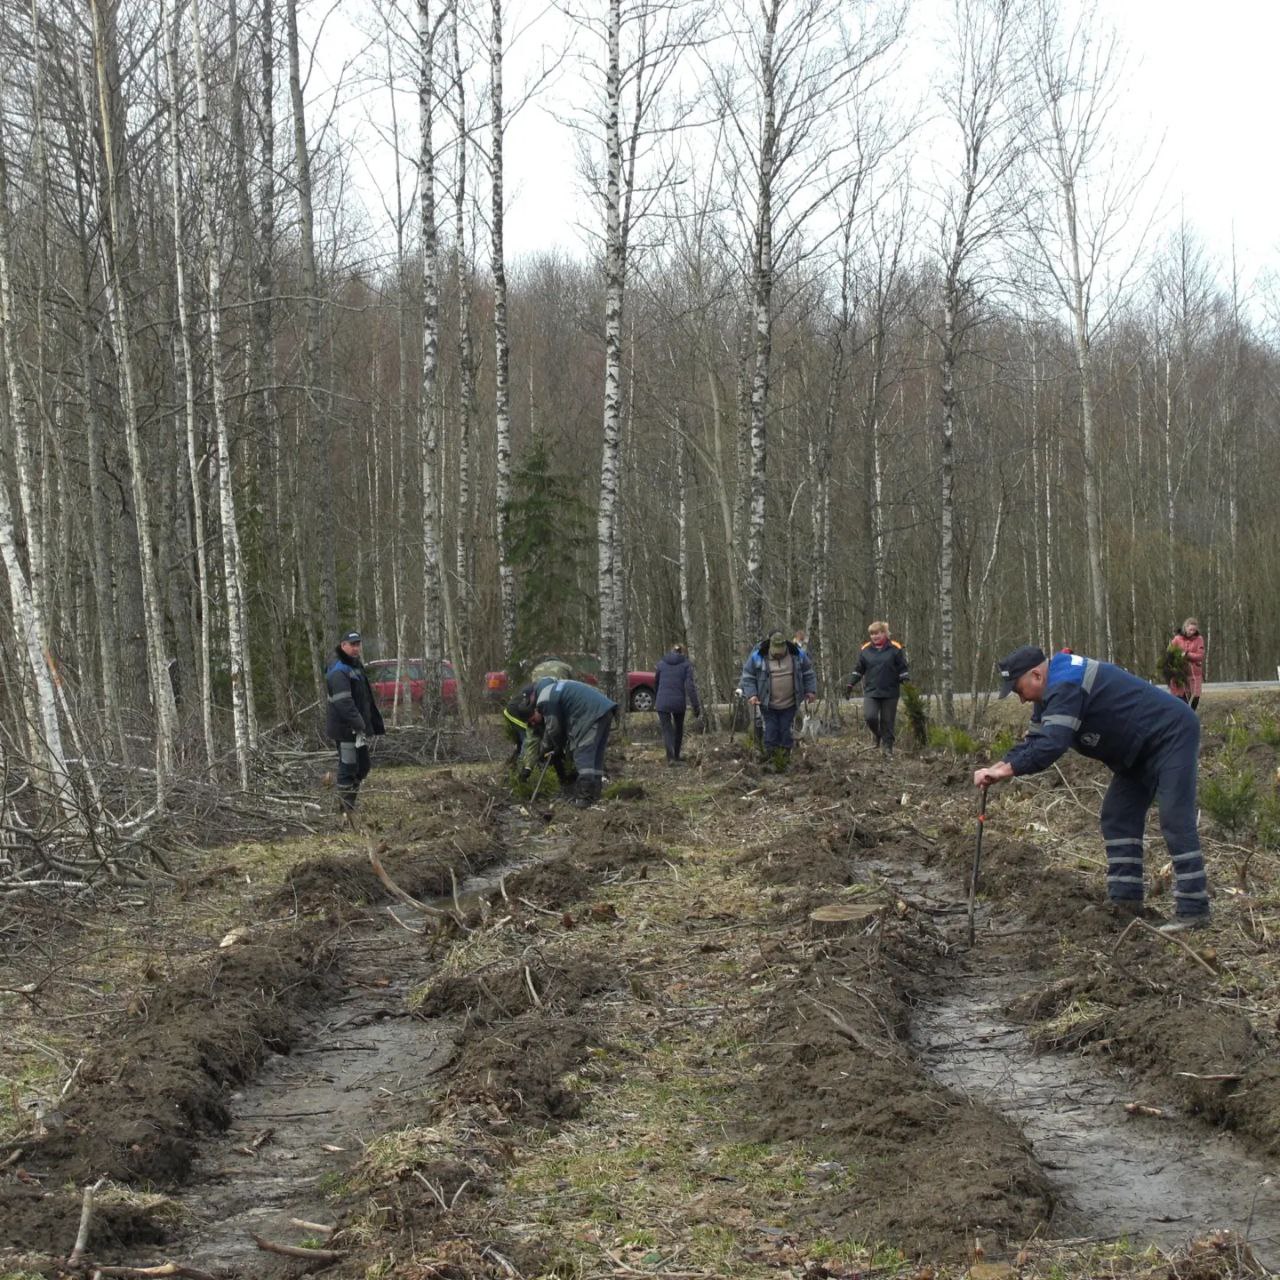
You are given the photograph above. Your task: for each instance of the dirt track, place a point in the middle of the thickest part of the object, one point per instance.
(630, 1050)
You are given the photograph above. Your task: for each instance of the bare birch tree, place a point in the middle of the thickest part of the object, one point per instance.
(795, 69)
(1084, 222)
(975, 210)
(232, 559)
(119, 232)
(501, 338)
(169, 24)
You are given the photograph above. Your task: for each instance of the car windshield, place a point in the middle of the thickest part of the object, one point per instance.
(385, 669)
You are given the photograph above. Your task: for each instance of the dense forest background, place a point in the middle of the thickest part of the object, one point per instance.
(836, 352)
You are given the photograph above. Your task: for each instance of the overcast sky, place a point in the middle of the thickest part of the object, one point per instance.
(1208, 70)
(1203, 88)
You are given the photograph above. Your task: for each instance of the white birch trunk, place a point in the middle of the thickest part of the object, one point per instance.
(466, 375)
(194, 450)
(946, 615)
(28, 619)
(232, 560)
(607, 567)
(501, 345)
(682, 527)
(315, 415)
(432, 629)
(121, 328)
(762, 318)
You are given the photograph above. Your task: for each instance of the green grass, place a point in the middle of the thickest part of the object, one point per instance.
(953, 738)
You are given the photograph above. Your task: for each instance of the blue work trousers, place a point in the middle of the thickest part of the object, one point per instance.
(588, 757)
(1164, 774)
(354, 764)
(777, 727)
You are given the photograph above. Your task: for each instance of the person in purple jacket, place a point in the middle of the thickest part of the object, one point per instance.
(675, 690)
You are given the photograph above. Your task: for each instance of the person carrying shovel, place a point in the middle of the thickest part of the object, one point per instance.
(1151, 743)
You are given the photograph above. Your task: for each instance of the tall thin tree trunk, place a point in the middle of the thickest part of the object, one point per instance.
(466, 375)
(316, 415)
(501, 344)
(121, 328)
(170, 35)
(608, 515)
(432, 621)
(232, 559)
(946, 555)
(762, 319)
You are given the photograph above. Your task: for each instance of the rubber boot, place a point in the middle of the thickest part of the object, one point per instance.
(588, 793)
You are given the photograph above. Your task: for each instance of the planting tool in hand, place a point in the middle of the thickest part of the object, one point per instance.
(538, 785)
(977, 861)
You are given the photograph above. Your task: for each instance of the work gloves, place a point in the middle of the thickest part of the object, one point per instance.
(361, 741)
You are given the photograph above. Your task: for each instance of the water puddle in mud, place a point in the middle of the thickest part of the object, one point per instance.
(302, 1123)
(1150, 1179)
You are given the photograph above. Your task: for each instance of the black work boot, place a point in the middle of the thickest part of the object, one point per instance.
(587, 794)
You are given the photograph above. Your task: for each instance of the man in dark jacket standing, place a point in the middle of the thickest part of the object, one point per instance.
(777, 677)
(674, 689)
(352, 720)
(1151, 742)
(882, 662)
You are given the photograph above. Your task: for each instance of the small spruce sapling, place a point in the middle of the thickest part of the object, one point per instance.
(917, 714)
(1175, 667)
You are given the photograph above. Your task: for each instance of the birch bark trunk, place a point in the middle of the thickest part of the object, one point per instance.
(501, 344)
(316, 416)
(762, 319)
(682, 526)
(232, 559)
(169, 25)
(432, 628)
(466, 376)
(614, 267)
(121, 328)
(28, 618)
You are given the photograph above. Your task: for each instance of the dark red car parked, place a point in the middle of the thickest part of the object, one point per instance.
(409, 684)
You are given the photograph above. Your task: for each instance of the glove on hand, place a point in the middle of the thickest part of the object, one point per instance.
(361, 741)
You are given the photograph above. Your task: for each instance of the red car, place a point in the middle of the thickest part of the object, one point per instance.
(586, 667)
(409, 686)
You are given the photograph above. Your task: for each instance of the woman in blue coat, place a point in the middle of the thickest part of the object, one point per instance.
(675, 689)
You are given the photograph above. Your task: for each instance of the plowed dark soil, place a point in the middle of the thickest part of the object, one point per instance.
(661, 951)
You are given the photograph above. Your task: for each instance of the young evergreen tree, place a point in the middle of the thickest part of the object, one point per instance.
(550, 535)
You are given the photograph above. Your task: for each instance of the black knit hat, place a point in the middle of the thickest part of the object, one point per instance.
(1016, 665)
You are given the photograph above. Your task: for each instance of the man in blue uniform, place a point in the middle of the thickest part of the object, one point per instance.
(573, 718)
(353, 718)
(1149, 739)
